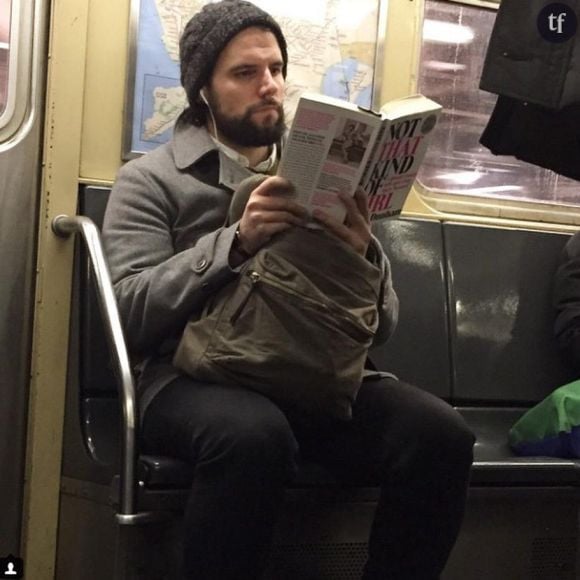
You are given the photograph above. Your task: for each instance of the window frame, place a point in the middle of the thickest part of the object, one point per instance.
(19, 79)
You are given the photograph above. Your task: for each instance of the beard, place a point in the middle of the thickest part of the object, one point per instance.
(243, 130)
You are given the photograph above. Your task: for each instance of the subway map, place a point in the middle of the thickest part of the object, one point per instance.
(331, 47)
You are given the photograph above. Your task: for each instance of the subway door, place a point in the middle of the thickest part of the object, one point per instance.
(23, 57)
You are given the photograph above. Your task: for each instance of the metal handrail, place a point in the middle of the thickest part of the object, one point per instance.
(63, 226)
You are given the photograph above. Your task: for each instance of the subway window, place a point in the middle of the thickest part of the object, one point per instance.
(454, 44)
(17, 46)
(5, 17)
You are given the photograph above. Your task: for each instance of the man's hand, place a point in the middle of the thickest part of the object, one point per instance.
(270, 210)
(356, 229)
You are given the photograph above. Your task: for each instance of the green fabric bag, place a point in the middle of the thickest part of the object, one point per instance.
(296, 324)
(552, 427)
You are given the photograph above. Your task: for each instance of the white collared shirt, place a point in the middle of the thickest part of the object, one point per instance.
(234, 167)
(263, 167)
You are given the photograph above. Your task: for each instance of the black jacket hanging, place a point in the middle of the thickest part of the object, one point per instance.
(535, 134)
(521, 64)
(537, 116)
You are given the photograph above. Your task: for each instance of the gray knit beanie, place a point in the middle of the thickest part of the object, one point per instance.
(207, 34)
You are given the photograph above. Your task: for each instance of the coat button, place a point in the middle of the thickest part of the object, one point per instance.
(201, 265)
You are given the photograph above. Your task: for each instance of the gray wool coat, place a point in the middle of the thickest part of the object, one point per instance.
(167, 248)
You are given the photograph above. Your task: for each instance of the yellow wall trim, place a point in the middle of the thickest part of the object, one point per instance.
(64, 104)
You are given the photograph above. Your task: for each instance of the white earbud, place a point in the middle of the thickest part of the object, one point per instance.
(204, 99)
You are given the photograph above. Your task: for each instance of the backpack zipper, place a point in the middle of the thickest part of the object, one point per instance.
(254, 279)
(361, 332)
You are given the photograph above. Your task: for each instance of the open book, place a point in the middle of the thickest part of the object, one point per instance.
(334, 146)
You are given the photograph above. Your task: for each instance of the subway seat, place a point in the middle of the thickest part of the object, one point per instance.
(475, 328)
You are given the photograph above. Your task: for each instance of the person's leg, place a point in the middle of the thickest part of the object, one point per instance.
(244, 453)
(419, 450)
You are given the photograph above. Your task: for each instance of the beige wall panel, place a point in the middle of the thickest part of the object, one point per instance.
(402, 48)
(104, 89)
(50, 336)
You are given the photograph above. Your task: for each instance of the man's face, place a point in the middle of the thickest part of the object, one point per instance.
(247, 89)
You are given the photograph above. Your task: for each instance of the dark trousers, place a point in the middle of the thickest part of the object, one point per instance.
(245, 450)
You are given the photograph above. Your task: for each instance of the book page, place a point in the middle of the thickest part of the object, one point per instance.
(327, 151)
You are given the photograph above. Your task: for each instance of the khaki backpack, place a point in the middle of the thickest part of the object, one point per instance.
(295, 325)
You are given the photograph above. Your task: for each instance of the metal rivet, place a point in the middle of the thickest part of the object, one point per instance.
(201, 265)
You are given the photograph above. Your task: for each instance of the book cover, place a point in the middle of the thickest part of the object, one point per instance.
(398, 154)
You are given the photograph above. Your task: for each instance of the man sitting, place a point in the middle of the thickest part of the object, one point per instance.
(169, 251)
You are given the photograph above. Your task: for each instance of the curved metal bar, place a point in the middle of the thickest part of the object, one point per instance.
(64, 226)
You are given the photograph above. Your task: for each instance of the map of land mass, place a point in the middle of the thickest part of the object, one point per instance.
(331, 47)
